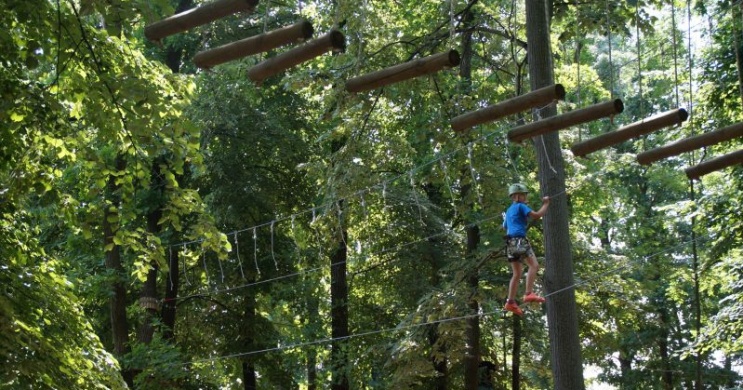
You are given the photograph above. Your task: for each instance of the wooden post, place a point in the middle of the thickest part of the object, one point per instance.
(511, 106)
(691, 143)
(405, 71)
(334, 40)
(297, 32)
(196, 17)
(566, 120)
(636, 129)
(715, 164)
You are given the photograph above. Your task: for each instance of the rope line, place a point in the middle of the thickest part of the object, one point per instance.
(415, 325)
(383, 184)
(316, 269)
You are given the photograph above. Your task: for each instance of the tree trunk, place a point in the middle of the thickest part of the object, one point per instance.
(173, 59)
(472, 347)
(472, 351)
(439, 358)
(171, 293)
(173, 55)
(117, 302)
(339, 309)
(737, 47)
(311, 370)
(439, 365)
(516, 354)
(567, 365)
(250, 379)
(663, 349)
(148, 295)
(313, 311)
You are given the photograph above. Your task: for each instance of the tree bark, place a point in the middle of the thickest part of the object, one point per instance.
(313, 311)
(148, 295)
(173, 59)
(117, 302)
(472, 346)
(516, 354)
(439, 365)
(171, 293)
(567, 365)
(737, 48)
(339, 309)
(472, 351)
(250, 379)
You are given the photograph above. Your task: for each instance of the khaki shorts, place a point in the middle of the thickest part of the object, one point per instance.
(518, 248)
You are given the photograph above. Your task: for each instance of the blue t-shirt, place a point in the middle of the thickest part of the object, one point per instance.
(517, 219)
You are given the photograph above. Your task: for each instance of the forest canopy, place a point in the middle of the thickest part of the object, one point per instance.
(165, 226)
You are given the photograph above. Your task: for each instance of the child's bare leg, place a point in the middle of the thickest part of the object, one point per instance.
(513, 286)
(531, 274)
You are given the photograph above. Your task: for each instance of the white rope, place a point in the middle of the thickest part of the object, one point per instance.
(237, 250)
(255, 251)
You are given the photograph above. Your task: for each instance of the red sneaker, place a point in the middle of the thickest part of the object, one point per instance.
(514, 308)
(531, 297)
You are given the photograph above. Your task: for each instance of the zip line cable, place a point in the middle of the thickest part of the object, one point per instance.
(417, 325)
(398, 247)
(317, 269)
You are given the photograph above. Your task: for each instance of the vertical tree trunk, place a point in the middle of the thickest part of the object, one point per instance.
(567, 364)
(472, 351)
(440, 366)
(516, 354)
(250, 379)
(737, 46)
(313, 311)
(312, 370)
(117, 302)
(664, 349)
(173, 55)
(339, 309)
(173, 59)
(171, 293)
(150, 304)
(438, 348)
(472, 347)
(148, 295)
(695, 269)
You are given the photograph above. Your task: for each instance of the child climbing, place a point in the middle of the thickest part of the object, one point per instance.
(518, 249)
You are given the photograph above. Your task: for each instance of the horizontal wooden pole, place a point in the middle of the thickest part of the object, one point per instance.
(715, 164)
(405, 71)
(334, 40)
(566, 120)
(511, 106)
(636, 129)
(691, 143)
(295, 33)
(196, 17)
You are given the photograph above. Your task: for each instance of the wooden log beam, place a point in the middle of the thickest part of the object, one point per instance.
(196, 17)
(566, 120)
(636, 129)
(295, 33)
(540, 97)
(334, 40)
(715, 164)
(405, 71)
(691, 143)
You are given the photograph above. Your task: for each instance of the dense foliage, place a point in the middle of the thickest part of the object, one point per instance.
(163, 226)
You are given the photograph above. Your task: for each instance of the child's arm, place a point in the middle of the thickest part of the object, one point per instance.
(542, 210)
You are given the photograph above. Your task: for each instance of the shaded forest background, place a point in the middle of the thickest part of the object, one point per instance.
(163, 226)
